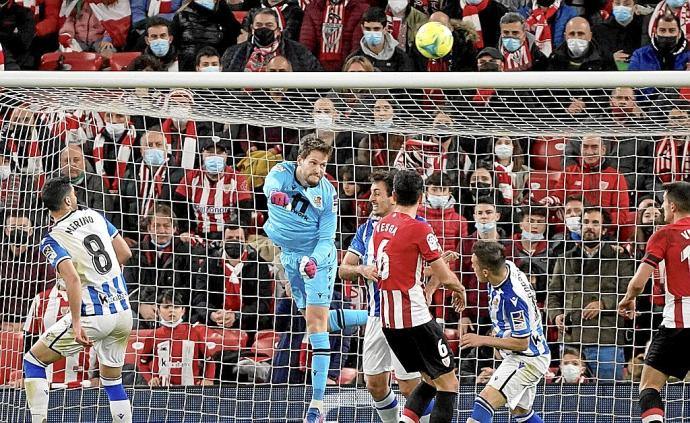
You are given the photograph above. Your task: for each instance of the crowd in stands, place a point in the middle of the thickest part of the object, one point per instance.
(206, 284)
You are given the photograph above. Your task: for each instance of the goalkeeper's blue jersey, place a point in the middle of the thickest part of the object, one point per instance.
(306, 226)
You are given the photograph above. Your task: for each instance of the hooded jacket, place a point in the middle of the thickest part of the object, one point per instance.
(390, 59)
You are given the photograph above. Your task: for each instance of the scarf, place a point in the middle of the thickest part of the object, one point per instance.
(124, 153)
(157, 7)
(683, 14)
(426, 157)
(151, 185)
(183, 146)
(470, 14)
(233, 287)
(538, 24)
(668, 165)
(25, 150)
(154, 256)
(260, 57)
(332, 31)
(482, 96)
(398, 27)
(519, 60)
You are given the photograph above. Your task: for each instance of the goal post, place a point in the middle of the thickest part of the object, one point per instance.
(545, 148)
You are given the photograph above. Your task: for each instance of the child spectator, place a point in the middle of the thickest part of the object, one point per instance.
(573, 368)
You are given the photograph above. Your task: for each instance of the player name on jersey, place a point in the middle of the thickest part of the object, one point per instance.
(78, 223)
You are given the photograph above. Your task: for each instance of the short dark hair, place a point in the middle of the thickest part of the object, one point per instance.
(512, 17)
(439, 179)
(669, 16)
(490, 254)
(145, 61)
(214, 147)
(575, 197)
(54, 192)
(385, 176)
(605, 215)
(311, 143)
(206, 51)
(408, 186)
(264, 11)
(157, 21)
(486, 200)
(532, 211)
(170, 296)
(375, 14)
(679, 194)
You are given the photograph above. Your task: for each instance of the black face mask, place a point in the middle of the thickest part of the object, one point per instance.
(489, 67)
(481, 189)
(592, 244)
(647, 231)
(665, 44)
(234, 248)
(545, 3)
(263, 37)
(18, 237)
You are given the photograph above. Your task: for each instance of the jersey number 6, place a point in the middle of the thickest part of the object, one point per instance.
(382, 260)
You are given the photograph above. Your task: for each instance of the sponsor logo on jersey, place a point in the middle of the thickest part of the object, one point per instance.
(334, 208)
(50, 254)
(519, 322)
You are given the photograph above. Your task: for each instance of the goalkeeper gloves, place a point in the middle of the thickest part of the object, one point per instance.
(307, 267)
(279, 198)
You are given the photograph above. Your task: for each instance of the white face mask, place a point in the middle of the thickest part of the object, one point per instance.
(115, 129)
(383, 124)
(577, 46)
(529, 236)
(397, 6)
(437, 201)
(323, 120)
(571, 373)
(169, 324)
(484, 228)
(573, 224)
(503, 151)
(5, 172)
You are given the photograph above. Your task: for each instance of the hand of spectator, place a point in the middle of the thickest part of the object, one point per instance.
(155, 381)
(626, 308)
(244, 35)
(147, 311)
(65, 40)
(186, 237)
(560, 322)
(576, 106)
(472, 340)
(621, 56)
(206, 382)
(308, 267)
(485, 375)
(591, 310)
(331, 382)
(466, 326)
(130, 242)
(369, 272)
(228, 318)
(280, 198)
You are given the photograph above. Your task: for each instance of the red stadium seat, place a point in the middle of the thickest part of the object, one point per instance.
(266, 341)
(11, 353)
(229, 339)
(453, 337)
(74, 61)
(121, 61)
(547, 154)
(348, 376)
(541, 184)
(135, 344)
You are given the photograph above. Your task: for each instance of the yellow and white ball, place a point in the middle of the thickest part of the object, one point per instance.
(434, 40)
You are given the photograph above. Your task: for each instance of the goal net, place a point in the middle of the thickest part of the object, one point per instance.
(566, 171)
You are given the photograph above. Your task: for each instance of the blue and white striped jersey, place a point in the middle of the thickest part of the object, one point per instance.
(85, 237)
(514, 312)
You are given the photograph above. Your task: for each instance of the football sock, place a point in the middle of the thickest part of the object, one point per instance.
(340, 319)
(387, 408)
(530, 417)
(482, 412)
(120, 407)
(320, 360)
(444, 408)
(651, 406)
(37, 389)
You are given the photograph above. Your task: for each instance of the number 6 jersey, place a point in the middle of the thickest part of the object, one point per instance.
(85, 237)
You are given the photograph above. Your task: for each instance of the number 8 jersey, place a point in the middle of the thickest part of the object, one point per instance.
(85, 237)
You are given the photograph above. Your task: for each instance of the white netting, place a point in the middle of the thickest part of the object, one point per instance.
(255, 365)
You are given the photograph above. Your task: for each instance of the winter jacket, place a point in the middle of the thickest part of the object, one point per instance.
(537, 260)
(558, 22)
(194, 27)
(413, 19)
(23, 277)
(169, 61)
(140, 11)
(647, 59)
(612, 36)
(390, 59)
(302, 60)
(578, 280)
(311, 35)
(447, 223)
(595, 59)
(17, 30)
(83, 26)
(489, 19)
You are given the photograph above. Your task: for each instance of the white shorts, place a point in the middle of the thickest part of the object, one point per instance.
(517, 378)
(109, 334)
(377, 356)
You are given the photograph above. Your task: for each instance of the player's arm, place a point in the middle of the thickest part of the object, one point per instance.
(511, 343)
(73, 288)
(122, 250)
(655, 250)
(351, 269)
(274, 186)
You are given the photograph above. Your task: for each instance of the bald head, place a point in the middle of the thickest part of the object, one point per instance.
(578, 28)
(441, 18)
(279, 64)
(72, 161)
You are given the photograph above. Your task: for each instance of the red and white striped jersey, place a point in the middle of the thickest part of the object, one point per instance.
(214, 201)
(46, 309)
(671, 245)
(402, 244)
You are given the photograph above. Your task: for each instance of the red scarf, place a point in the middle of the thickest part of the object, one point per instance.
(260, 57)
(123, 154)
(683, 14)
(470, 14)
(672, 159)
(178, 140)
(519, 60)
(153, 257)
(332, 31)
(538, 24)
(233, 284)
(482, 96)
(151, 185)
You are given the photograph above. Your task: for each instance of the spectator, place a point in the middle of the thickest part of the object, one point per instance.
(84, 30)
(291, 15)
(668, 50)
(24, 273)
(485, 181)
(265, 43)
(112, 149)
(17, 31)
(438, 208)
(621, 33)
(145, 63)
(235, 287)
(530, 246)
(379, 46)
(677, 8)
(331, 30)
(166, 359)
(350, 207)
(508, 157)
(215, 192)
(148, 182)
(483, 15)
(161, 259)
(22, 138)
(672, 152)
(547, 20)
(519, 48)
(145, 12)
(573, 368)
(404, 22)
(381, 149)
(207, 60)
(47, 22)
(181, 132)
(460, 58)
(88, 186)
(203, 23)
(159, 42)
(566, 240)
(580, 52)
(583, 296)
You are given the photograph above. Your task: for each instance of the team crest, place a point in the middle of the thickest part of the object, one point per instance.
(603, 185)
(49, 253)
(278, 168)
(318, 202)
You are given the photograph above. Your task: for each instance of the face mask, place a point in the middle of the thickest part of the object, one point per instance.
(481, 189)
(397, 6)
(437, 201)
(373, 38)
(162, 246)
(115, 130)
(577, 46)
(665, 44)
(383, 124)
(18, 237)
(529, 236)
(214, 164)
(323, 120)
(234, 249)
(210, 69)
(623, 14)
(489, 67)
(647, 231)
(159, 47)
(503, 151)
(571, 373)
(263, 37)
(676, 3)
(474, 2)
(208, 4)
(545, 3)
(511, 44)
(154, 156)
(5, 172)
(168, 324)
(573, 224)
(484, 228)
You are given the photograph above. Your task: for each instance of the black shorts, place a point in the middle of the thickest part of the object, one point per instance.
(422, 348)
(667, 352)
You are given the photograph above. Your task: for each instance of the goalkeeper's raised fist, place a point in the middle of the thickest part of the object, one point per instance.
(307, 267)
(279, 198)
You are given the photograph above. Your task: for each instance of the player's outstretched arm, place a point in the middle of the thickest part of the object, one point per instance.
(350, 269)
(122, 250)
(73, 285)
(626, 307)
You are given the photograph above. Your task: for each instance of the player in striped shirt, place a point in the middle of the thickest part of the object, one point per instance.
(88, 252)
(518, 335)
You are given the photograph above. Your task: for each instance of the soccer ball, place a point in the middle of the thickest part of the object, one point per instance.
(434, 40)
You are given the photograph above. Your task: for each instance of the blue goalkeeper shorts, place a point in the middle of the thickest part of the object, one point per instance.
(317, 291)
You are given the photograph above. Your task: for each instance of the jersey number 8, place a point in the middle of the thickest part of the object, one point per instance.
(382, 260)
(100, 258)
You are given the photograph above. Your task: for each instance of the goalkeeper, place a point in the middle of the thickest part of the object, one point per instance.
(302, 219)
